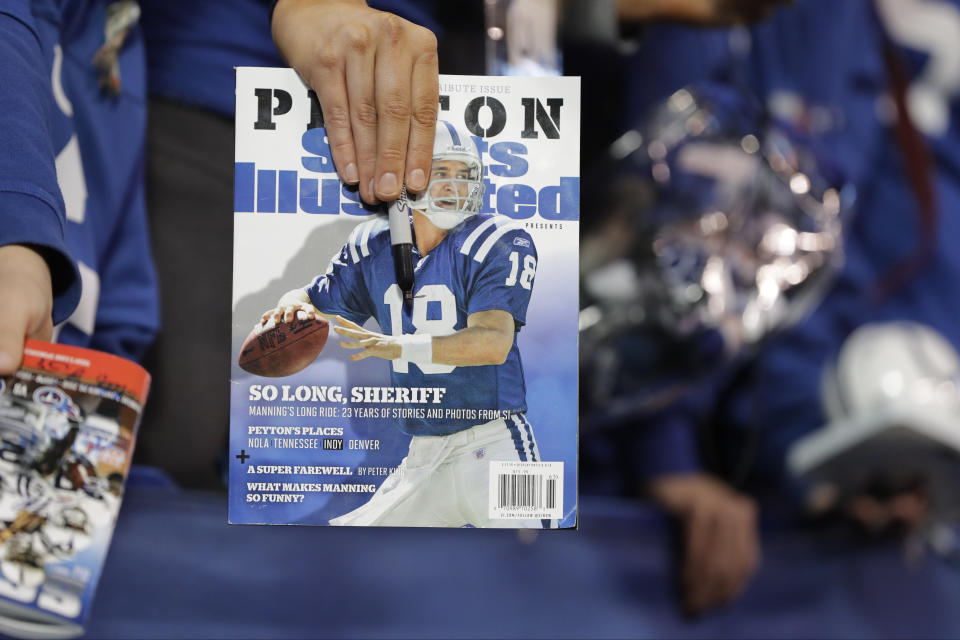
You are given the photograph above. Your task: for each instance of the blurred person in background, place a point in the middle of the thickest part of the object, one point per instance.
(880, 99)
(610, 42)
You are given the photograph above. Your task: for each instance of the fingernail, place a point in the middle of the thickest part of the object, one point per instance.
(350, 174)
(418, 180)
(388, 184)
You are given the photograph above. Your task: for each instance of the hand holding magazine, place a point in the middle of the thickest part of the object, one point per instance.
(451, 402)
(68, 422)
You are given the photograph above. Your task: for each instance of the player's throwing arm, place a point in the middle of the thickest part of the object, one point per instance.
(486, 341)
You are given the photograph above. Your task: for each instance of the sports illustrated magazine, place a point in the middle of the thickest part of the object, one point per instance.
(68, 421)
(413, 364)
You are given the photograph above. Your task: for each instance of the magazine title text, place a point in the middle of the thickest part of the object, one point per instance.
(313, 188)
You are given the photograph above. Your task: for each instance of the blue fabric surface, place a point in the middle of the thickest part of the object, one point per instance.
(176, 569)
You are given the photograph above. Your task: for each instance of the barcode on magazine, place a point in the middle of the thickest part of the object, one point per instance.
(526, 490)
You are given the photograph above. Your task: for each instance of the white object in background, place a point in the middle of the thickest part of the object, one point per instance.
(893, 408)
(522, 37)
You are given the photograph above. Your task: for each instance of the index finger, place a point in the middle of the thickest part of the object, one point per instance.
(700, 529)
(13, 329)
(425, 96)
(25, 303)
(392, 95)
(325, 316)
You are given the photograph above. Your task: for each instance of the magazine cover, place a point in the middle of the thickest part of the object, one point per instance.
(410, 365)
(68, 421)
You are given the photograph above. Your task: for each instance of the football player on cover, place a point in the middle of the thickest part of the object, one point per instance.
(473, 279)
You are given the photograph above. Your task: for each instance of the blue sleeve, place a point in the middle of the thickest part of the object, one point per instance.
(128, 313)
(783, 396)
(504, 278)
(666, 445)
(31, 208)
(338, 290)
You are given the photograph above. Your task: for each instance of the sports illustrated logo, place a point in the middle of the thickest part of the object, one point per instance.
(313, 187)
(521, 242)
(479, 453)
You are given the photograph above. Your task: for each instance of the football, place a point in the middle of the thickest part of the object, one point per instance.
(284, 348)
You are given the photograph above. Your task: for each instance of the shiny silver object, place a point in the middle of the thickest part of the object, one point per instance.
(726, 230)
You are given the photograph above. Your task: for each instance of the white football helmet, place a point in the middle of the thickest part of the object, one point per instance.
(23, 564)
(67, 532)
(448, 199)
(906, 365)
(892, 402)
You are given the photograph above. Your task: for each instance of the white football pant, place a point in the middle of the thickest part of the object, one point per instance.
(445, 480)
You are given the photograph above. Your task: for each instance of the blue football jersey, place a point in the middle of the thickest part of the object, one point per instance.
(488, 262)
(77, 154)
(98, 141)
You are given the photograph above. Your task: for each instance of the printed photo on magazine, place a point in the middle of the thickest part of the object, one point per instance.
(410, 364)
(68, 422)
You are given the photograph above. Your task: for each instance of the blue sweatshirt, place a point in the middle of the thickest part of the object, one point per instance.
(66, 135)
(193, 47)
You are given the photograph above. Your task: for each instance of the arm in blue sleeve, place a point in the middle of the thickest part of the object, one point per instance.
(128, 309)
(665, 445)
(337, 291)
(31, 208)
(421, 12)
